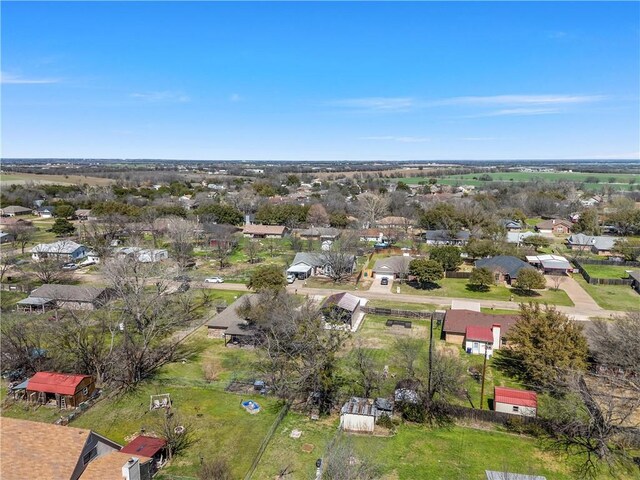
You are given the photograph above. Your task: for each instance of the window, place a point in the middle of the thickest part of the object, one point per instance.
(85, 391)
(516, 408)
(90, 455)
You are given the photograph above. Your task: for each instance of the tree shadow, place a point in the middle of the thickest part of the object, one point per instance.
(477, 288)
(423, 286)
(526, 293)
(507, 363)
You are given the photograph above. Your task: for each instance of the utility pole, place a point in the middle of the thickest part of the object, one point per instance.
(484, 368)
(430, 353)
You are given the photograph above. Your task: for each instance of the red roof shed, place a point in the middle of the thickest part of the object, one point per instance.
(52, 382)
(145, 446)
(479, 334)
(513, 396)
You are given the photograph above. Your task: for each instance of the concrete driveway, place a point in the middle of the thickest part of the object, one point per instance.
(578, 295)
(377, 287)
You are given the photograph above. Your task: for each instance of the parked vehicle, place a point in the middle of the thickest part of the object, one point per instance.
(214, 280)
(291, 278)
(384, 281)
(69, 266)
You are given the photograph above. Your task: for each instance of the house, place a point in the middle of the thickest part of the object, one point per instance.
(319, 233)
(13, 221)
(231, 325)
(264, 231)
(72, 297)
(44, 450)
(456, 322)
(518, 237)
(396, 222)
(63, 389)
(515, 402)
(635, 280)
(550, 264)
(14, 211)
(63, 251)
(391, 267)
(445, 237)
(494, 475)
(151, 447)
(82, 214)
(342, 308)
(359, 415)
(45, 211)
(482, 340)
(511, 225)
(143, 255)
(372, 235)
(307, 264)
(504, 267)
(599, 244)
(6, 237)
(555, 226)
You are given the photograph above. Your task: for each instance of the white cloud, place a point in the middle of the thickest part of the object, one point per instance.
(235, 97)
(517, 112)
(8, 79)
(515, 100)
(375, 103)
(478, 139)
(393, 138)
(164, 96)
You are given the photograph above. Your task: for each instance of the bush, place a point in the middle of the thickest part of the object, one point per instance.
(386, 422)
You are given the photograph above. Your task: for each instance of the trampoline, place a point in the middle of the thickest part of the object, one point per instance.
(251, 406)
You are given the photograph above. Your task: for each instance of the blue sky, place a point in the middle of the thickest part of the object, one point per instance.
(314, 81)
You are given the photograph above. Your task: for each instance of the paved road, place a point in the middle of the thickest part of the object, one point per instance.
(576, 293)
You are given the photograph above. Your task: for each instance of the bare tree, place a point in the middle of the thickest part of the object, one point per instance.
(179, 433)
(223, 241)
(217, 468)
(317, 216)
(372, 206)
(22, 234)
(339, 260)
(21, 342)
(614, 344)
(557, 280)
(407, 351)
(7, 262)
(343, 463)
(181, 234)
(252, 249)
(49, 270)
(368, 377)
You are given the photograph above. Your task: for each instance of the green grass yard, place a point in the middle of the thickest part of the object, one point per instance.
(612, 297)
(607, 271)
(458, 287)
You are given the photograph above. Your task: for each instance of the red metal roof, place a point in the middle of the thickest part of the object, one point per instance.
(145, 446)
(479, 334)
(513, 396)
(456, 321)
(52, 382)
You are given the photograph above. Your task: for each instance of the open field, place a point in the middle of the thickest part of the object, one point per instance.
(616, 180)
(22, 178)
(458, 287)
(612, 297)
(607, 271)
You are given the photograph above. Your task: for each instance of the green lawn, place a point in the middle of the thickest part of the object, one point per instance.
(415, 452)
(612, 297)
(414, 307)
(458, 287)
(607, 271)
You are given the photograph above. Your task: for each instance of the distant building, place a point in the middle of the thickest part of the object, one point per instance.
(601, 245)
(555, 226)
(72, 297)
(550, 264)
(14, 211)
(511, 225)
(359, 415)
(45, 211)
(264, 231)
(63, 250)
(231, 325)
(391, 267)
(67, 390)
(504, 267)
(307, 264)
(445, 237)
(457, 323)
(518, 237)
(6, 237)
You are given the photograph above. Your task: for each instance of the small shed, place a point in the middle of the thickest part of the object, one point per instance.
(341, 307)
(358, 415)
(515, 401)
(152, 447)
(68, 390)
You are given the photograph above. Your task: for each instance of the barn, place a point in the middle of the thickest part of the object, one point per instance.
(67, 390)
(515, 402)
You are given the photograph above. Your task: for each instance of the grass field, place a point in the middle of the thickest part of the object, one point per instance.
(616, 180)
(458, 287)
(606, 271)
(22, 178)
(612, 297)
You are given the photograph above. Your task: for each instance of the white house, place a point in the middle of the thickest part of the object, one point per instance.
(143, 255)
(62, 250)
(480, 340)
(307, 264)
(392, 267)
(515, 402)
(518, 237)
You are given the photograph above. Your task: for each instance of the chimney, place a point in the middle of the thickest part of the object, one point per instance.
(131, 469)
(495, 329)
(553, 222)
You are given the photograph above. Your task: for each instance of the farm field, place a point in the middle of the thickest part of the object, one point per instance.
(22, 178)
(619, 181)
(458, 287)
(612, 297)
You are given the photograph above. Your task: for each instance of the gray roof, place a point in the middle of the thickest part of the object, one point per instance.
(635, 275)
(68, 293)
(15, 209)
(494, 475)
(320, 232)
(599, 242)
(359, 406)
(396, 264)
(61, 247)
(504, 264)
(445, 235)
(517, 237)
(229, 316)
(343, 300)
(312, 259)
(37, 301)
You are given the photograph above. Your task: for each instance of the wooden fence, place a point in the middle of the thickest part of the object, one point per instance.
(397, 313)
(492, 416)
(593, 261)
(601, 281)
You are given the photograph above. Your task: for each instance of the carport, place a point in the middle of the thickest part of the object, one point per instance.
(300, 270)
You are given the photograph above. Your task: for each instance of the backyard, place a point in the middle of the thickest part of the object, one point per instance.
(607, 271)
(458, 287)
(612, 297)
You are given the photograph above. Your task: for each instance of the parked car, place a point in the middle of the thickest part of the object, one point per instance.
(214, 280)
(384, 281)
(291, 278)
(69, 266)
